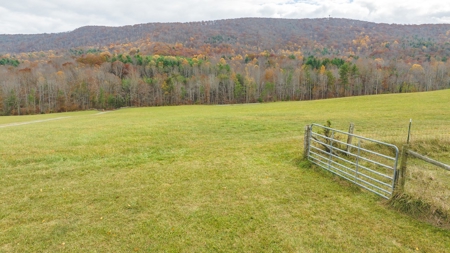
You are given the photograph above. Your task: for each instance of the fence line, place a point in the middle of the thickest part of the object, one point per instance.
(429, 160)
(397, 132)
(404, 164)
(353, 158)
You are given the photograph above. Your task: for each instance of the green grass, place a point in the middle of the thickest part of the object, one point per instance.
(206, 178)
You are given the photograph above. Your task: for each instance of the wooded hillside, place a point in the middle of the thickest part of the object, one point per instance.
(226, 61)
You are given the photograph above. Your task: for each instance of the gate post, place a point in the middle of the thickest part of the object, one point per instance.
(350, 136)
(401, 177)
(307, 141)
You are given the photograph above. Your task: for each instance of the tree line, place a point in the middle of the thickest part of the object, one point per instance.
(101, 80)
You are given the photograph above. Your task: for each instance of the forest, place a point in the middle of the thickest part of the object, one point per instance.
(218, 62)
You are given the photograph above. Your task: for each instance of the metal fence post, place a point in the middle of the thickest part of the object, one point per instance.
(307, 141)
(409, 131)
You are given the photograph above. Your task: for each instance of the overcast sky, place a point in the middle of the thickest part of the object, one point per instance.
(50, 16)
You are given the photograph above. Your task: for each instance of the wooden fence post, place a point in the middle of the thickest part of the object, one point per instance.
(400, 179)
(350, 136)
(307, 141)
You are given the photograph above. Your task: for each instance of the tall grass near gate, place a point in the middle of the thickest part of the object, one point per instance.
(425, 191)
(429, 185)
(202, 179)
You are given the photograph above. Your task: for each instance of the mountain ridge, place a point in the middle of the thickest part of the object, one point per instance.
(266, 33)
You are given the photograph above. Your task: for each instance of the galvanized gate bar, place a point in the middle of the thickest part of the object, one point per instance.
(373, 179)
(375, 172)
(351, 180)
(350, 145)
(369, 169)
(375, 153)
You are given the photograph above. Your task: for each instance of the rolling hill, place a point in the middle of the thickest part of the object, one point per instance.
(337, 35)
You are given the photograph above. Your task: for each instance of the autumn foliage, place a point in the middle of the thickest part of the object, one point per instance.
(226, 62)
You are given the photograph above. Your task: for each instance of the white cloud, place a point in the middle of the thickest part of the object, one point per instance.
(46, 16)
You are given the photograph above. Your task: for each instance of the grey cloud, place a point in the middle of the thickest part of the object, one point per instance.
(442, 16)
(370, 6)
(46, 16)
(267, 11)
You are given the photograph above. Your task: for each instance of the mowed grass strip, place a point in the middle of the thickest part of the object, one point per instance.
(9, 121)
(202, 179)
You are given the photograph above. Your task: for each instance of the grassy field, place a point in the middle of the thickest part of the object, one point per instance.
(207, 179)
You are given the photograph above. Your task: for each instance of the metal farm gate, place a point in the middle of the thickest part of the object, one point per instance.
(369, 163)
